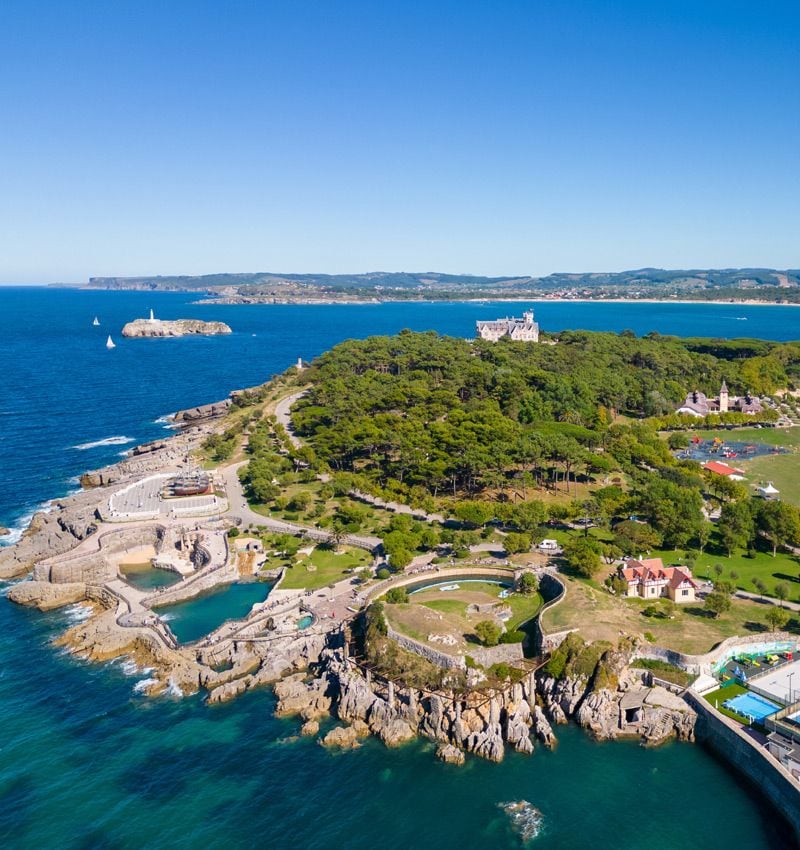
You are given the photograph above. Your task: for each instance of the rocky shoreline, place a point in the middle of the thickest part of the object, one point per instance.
(312, 671)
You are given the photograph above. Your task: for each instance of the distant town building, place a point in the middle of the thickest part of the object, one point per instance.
(520, 330)
(699, 404)
(650, 579)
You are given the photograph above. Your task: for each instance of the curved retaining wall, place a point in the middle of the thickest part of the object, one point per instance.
(553, 590)
(710, 661)
(438, 576)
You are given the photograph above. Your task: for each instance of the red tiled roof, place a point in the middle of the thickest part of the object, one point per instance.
(722, 468)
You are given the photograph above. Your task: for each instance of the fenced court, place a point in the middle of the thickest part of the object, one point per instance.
(782, 684)
(751, 706)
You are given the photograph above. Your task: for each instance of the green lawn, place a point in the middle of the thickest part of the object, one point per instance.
(716, 698)
(327, 567)
(782, 470)
(524, 606)
(447, 606)
(783, 568)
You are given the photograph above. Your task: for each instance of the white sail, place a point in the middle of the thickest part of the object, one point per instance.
(96, 321)
(110, 342)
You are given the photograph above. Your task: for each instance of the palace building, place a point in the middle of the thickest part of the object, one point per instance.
(699, 404)
(520, 330)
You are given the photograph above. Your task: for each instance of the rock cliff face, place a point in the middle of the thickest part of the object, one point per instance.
(612, 702)
(178, 327)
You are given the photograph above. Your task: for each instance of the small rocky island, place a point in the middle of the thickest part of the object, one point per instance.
(153, 327)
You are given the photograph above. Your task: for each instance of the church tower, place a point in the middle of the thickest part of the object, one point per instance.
(723, 398)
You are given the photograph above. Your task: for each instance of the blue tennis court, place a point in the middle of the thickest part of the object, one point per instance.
(751, 705)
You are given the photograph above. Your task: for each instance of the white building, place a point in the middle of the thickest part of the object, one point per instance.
(520, 330)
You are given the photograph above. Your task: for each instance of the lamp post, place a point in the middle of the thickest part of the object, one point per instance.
(790, 687)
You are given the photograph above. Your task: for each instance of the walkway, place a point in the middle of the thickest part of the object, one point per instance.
(283, 414)
(240, 509)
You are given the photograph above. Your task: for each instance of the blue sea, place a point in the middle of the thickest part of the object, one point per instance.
(86, 762)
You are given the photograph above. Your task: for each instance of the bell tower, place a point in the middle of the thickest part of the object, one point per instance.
(723, 398)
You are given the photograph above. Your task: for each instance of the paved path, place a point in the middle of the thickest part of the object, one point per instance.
(283, 411)
(239, 509)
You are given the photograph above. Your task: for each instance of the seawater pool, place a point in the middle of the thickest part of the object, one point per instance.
(195, 618)
(149, 578)
(751, 705)
(447, 582)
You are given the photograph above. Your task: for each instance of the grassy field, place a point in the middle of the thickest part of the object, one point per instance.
(429, 614)
(786, 437)
(324, 567)
(601, 616)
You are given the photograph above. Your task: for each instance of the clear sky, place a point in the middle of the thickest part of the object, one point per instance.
(495, 137)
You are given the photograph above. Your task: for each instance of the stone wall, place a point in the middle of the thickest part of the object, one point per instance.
(504, 653)
(698, 664)
(441, 659)
(726, 738)
(553, 591)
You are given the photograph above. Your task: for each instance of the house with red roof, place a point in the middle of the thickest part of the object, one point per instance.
(648, 578)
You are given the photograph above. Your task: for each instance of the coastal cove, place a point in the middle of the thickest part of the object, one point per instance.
(176, 769)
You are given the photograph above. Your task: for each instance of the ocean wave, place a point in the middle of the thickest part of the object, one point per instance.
(16, 531)
(108, 441)
(143, 684)
(78, 613)
(165, 618)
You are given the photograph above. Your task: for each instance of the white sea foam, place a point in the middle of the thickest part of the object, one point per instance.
(173, 689)
(143, 684)
(108, 441)
(78, 613)
(129, 667)
(526, 819)
(165, 618)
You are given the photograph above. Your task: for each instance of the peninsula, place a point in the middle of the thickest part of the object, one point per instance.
(471, 541)
(153, 327)
(744, 285)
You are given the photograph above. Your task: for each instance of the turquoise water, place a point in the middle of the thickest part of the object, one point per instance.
(305, 622)
(751, 705)
(149, 578)
(195, 618)
(85, 762)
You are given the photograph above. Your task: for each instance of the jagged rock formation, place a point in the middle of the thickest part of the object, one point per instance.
(450, 754)
(178, 327)
(597, 689)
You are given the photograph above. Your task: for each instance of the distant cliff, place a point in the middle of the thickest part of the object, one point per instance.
(178, 327)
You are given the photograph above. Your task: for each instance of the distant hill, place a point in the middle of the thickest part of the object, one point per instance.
(759, 284)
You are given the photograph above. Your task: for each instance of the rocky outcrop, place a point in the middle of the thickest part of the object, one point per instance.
(341, 737)
(561, 696)
(54, 532)
(541, 728)
(296, 696)
(310, 728)
(178, 327)
(203, 413)
(46, 596)
(101, 639)
(450, 754)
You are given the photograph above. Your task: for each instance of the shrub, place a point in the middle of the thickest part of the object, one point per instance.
(488, 632)
(233, 532)
(513, 637)
(383, 573)
(397, 595)
(649, 637)
(528, 583)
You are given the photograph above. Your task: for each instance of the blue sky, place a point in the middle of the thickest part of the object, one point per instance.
(499, 137)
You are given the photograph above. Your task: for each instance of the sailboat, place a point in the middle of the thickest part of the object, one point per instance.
(96, 321)
(110, 342)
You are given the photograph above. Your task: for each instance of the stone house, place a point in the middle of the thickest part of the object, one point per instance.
(699, 404)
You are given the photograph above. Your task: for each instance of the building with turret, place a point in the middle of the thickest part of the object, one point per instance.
(699, 404)
(520, 330)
